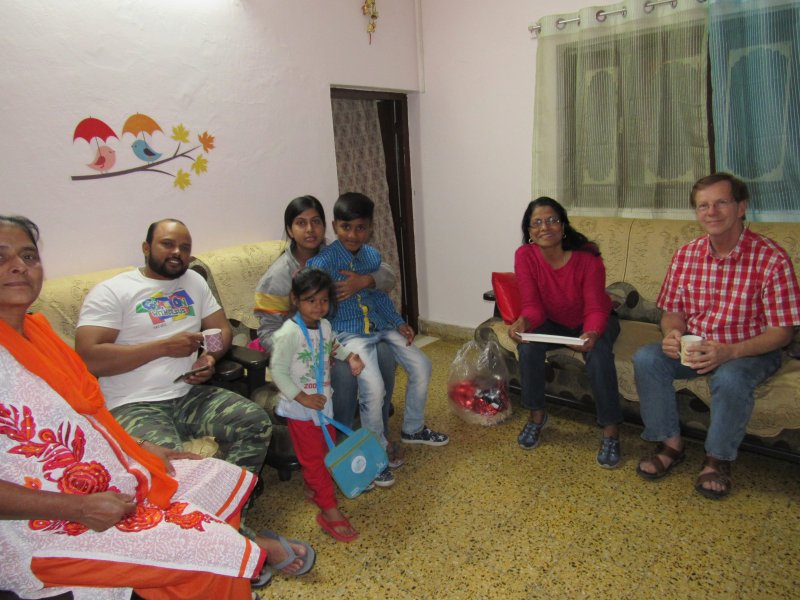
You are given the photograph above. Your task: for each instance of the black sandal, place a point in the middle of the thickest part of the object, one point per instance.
(662, 470)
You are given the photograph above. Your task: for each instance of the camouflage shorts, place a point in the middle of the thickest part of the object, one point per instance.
(241, 428)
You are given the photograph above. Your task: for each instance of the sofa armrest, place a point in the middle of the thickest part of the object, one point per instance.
(253, 362)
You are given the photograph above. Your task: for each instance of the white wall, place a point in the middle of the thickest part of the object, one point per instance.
(474, 160)
(254, 73)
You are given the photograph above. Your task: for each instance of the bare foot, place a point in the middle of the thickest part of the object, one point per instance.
(334, 514)
(276, 553)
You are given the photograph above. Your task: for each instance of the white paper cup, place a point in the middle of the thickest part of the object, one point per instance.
(686, 354)
(212, 340)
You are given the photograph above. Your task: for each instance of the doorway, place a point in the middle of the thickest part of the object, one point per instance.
(386, 179)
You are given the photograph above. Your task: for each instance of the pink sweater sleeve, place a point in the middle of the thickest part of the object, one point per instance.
(526, 269)
(596, 303)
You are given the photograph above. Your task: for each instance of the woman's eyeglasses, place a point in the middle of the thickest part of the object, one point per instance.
(538, 223)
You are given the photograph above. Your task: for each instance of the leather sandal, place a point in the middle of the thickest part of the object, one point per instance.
(721, 475)
(662, 469)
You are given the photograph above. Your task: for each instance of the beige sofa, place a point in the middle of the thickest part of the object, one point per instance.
(232, 274)
(637, 253)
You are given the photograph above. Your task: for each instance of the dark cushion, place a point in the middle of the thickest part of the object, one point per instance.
(630, 306)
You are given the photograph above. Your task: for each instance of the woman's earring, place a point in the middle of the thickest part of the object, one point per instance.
(530, 240)
(563, 237)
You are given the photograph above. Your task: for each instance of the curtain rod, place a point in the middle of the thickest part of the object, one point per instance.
(601, 15)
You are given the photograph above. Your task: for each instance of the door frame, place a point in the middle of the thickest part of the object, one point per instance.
(393, 117)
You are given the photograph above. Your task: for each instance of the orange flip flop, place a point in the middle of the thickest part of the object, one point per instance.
(330, 528)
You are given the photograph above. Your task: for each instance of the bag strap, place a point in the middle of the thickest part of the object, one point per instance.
(319, 363)
(340, 426)
(319, 367)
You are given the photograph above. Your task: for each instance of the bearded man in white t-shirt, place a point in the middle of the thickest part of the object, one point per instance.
(139, 332)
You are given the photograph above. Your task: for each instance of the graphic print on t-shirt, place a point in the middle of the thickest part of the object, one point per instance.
(162, 308)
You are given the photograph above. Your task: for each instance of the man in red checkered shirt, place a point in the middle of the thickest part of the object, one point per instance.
(737, 290)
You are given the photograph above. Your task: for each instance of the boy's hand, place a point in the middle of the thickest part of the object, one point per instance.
(315, 401)
(356, 364)
(407, 332)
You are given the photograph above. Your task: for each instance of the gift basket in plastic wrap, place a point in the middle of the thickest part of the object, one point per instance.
(478, 384)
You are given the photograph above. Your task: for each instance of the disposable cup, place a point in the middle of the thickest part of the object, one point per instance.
(686, 354)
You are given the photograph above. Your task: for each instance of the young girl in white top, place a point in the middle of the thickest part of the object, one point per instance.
(301, 356)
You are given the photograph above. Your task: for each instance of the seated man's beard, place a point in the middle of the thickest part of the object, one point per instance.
(165, 269)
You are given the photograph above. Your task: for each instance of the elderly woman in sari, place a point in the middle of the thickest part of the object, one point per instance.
(85, 506)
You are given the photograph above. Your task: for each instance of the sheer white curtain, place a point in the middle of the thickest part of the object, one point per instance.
(620, 117)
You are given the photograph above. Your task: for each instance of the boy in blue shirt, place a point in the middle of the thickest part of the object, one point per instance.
(369, 317)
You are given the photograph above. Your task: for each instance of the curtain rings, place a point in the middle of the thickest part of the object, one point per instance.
(561, 23)
(651, 4)
(601, 15)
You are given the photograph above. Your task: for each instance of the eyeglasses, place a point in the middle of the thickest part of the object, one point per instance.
(538, 223)
(718, 205)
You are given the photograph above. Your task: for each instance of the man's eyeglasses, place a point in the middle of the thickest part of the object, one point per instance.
(538, 223)
(718, 205)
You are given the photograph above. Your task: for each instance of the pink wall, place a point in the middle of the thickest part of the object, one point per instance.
(255, 74)
(474, 158)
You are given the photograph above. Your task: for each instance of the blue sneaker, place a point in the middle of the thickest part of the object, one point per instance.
(530, 435)
(608, 456)
(425, 436)
(385, 478)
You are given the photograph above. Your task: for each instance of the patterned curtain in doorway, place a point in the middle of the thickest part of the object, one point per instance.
(361, 167)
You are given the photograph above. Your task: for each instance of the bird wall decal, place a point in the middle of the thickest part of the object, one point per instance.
(104, 160)
(143, 151)
(97, 132)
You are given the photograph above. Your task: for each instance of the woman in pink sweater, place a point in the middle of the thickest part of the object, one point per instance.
(561, 281)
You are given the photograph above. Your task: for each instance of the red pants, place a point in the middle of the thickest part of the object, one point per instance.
(310, 448)
(152, 583)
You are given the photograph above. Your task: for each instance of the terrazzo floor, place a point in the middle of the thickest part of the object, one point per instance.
(482, 518)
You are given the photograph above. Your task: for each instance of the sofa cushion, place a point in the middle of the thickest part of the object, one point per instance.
(506, 294)
(61, 300)
(237, 270)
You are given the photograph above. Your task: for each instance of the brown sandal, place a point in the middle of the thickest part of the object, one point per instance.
(662, 470)
(721, 475)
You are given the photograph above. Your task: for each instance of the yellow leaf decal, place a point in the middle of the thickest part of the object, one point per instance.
(182, 179)
(180, 134)
(207, 140)
(200, 164)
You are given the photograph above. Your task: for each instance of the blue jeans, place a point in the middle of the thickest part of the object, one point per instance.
(732, 385)
(345, 387)
(371, 389)
(599, 366)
